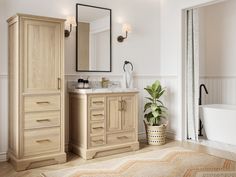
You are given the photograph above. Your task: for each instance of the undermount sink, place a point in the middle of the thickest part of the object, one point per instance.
(103, 90)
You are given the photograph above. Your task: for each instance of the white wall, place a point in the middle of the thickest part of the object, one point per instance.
(142, 46)
(3, 85)
(219, 29)
(154, 46)
(217, 65)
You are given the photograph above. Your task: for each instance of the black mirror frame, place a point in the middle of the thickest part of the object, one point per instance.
(77, 5)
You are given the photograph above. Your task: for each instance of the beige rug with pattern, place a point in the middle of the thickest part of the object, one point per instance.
(170, 162)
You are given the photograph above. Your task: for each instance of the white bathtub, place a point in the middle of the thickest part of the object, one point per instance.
(219, 122)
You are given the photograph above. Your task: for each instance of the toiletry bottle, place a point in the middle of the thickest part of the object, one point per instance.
(104, 82)
(80, 83)
(86, 83)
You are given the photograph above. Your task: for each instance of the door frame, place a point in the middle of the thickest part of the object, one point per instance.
(182, 71)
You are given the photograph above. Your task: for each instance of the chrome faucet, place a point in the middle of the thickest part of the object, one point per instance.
(200, 103)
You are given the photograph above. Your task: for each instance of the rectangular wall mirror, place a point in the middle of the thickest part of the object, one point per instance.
(93, 39)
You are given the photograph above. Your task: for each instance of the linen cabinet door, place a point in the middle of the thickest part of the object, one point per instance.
(113, 113)
(41, 54)
(129, 115)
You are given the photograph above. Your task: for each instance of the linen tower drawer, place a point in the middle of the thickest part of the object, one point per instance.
(41, 141)
(41, 119)
(42, 103)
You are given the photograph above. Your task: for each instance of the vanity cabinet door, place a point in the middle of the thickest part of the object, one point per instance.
(128, 112)
(114, 113)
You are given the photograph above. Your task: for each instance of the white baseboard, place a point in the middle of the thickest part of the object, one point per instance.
(171, 135)
(3, 157)
(142, 135)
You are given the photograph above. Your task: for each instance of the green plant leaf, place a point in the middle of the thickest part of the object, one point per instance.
(159, 89)
(161, 93)
(163, 107)
(149, 99)
(149, 91)
(155, 113)
(155, 86)
(160, 102)
(154, 109)
(154, 106)
(147, 106)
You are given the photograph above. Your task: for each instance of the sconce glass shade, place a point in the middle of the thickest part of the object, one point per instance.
(126, 28)
(70, 21)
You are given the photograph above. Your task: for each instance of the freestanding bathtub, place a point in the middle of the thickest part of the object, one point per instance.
(219, 122)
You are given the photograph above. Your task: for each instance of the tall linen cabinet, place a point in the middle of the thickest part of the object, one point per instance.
(36, 91)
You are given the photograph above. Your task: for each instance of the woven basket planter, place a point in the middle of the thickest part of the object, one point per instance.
(156, 135)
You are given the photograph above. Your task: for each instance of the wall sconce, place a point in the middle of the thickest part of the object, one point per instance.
(126, 28)
(70, 23)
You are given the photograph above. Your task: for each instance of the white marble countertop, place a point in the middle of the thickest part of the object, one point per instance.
(102, 90)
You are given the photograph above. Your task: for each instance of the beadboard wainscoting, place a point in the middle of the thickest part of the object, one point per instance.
(3, 117)
(221, 89)
(141, 81)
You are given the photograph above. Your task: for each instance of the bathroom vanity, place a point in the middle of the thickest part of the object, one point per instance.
(103, 121)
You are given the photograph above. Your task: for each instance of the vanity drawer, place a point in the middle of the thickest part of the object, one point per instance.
(97, 128)
(96, 101)
(119, 138)
(97, 141)
(97, 114)
(41, 119)
(42, 103)
(41, 141)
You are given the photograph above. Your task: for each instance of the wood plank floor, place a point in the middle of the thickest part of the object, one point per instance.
(6, 170)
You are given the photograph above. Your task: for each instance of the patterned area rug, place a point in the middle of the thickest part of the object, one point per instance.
(171, 162)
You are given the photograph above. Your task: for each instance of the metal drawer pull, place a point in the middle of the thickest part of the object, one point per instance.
(120, 106)
(98, 102)
(59, 83)
(122, 137)
(43, 120)
(98, 115)
(43, 102)
(123, 107)
(98, 128)
(43, 141)
(98, 141)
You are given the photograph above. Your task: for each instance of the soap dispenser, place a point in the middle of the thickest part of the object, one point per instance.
(80, 83)
(86, 83)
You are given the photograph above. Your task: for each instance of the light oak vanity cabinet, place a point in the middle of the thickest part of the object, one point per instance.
(36, 91)
(103, 124)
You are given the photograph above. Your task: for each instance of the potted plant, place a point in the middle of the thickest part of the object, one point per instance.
(155, 115)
